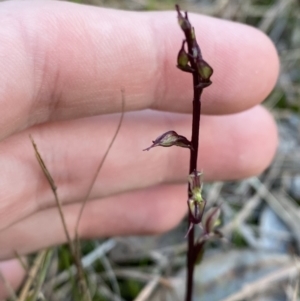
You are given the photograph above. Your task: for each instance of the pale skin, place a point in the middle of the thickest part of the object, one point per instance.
(62, 68)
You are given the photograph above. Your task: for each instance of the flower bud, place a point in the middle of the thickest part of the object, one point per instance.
(196, 185)
(170, 138)
(204, 70)
(183, 60)
(211, 219)
(184, 23)
(196, 209)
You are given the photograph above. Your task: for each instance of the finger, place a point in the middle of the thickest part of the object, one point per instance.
(149, 211)
(231, 147)
(74, 65)
(12, 275)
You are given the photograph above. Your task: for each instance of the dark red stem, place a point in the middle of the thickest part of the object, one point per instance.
(193, 166)
(199, 82)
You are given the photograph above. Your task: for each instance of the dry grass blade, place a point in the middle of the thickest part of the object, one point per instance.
(53, 187)
(255, 200)
(76, 257)
(263, 284)
(40, 278)
(86, 261)
(32, 275)
(104, 291)
(138, 276)
(296, 291)
(148, 289)
(101, 164)
(112, 277)
(77, 248)
(284, 207)
(272, 14)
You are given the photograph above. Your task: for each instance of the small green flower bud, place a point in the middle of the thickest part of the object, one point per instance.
(182, 58)
(211, 219)
(196, 203)
(205, 71)
(196, 209)
(196, 185)
(170, 138)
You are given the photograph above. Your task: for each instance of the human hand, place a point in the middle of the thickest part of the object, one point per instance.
(62, 68)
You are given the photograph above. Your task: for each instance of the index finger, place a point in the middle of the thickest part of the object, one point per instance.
(61, 60)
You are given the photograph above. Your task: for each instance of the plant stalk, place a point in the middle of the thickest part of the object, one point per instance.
(193, 166)
(197, 92)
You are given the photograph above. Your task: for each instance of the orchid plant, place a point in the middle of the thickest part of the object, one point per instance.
(190, 60)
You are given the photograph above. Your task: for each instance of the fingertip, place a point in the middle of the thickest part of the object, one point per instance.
(246, 67)
(244, 59)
